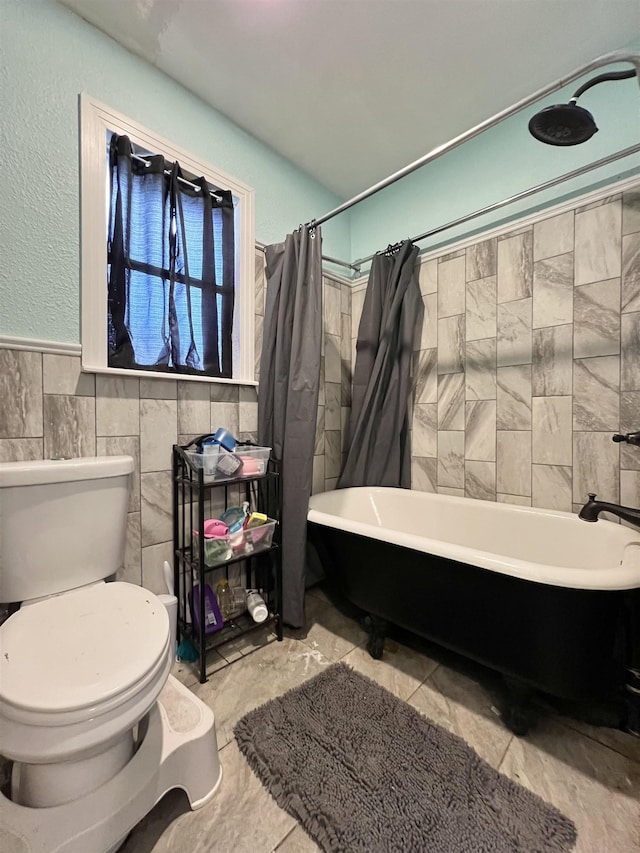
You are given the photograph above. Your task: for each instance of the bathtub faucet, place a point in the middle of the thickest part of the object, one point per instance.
(629, 438)
(592, 509)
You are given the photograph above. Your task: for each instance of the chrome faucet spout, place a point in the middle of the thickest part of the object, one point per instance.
(592, 509)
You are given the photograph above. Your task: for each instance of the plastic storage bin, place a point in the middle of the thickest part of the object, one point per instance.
(254, 460)
(254, 463)
(196, 460)
(216, 551)
(260, 538)
(242, 544)
(209, 464)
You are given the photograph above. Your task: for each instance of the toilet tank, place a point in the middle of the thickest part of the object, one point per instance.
(62, 524)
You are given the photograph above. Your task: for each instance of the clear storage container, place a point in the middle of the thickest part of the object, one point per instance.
(220, 550)
(254, 460)
(260, 538)
(216, 551)
(196, 460)
(254, 463)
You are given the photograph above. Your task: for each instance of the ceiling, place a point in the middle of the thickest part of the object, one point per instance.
(350, 91)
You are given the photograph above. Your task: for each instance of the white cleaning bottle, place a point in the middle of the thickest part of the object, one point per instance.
(256, 606)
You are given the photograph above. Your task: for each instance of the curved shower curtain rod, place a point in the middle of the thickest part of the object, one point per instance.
(356, 265)
(610, 158)
(605, 59)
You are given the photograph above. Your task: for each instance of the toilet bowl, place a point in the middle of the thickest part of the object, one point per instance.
(78, 671)
(96, 727)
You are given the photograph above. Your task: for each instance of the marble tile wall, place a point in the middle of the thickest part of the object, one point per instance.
(335, 384)
(50, 408)
(529, 360)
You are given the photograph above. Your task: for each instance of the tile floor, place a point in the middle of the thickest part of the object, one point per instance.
(591, 774)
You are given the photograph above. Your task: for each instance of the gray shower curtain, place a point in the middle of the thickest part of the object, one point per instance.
(378, 441)
(288, 393)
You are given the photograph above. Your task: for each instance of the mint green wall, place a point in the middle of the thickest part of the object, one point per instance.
(49, 55)
(498, 164)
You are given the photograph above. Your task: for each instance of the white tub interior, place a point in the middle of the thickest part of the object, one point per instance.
(536, 544)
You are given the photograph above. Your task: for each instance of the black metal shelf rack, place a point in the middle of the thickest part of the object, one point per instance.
(262, 569)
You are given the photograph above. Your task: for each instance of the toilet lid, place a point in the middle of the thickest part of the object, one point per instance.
(81, 648)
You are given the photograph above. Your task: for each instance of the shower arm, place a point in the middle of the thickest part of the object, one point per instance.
(602, 78)
(605, 59)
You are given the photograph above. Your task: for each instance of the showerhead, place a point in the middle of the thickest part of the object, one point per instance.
(563, 124)
(569, 124)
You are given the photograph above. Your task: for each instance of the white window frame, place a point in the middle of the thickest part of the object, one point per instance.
(96, 119)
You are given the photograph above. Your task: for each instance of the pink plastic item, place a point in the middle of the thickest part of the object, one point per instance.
(213, 528)
(250, 467)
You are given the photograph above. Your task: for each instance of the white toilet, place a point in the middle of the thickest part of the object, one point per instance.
(84, 663)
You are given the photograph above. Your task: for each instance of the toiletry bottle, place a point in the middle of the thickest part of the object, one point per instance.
(256, 606)
(212, 615)
(210, 451)
(239, 599)
(225, 600)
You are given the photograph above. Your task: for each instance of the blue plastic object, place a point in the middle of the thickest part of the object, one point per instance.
(187, 652)
(234, 517)
(225, 439)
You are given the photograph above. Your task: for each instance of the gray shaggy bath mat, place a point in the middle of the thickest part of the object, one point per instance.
(363, 772)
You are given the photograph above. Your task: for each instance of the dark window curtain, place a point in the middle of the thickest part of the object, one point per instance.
(378, 441)
(288, 393)
(171, 262)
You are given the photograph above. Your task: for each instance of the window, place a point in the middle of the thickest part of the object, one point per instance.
(167, 257)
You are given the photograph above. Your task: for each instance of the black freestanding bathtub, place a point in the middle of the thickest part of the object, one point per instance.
(547, 600)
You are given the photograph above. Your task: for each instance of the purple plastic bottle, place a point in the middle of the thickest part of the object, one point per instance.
(212, 617)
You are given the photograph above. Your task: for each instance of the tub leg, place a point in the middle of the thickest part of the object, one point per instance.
(377, 630)
(517, 713)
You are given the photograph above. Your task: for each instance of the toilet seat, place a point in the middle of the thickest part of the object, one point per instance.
(78, 655)
(79, 715)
